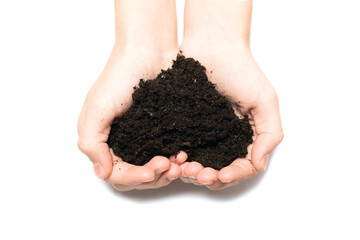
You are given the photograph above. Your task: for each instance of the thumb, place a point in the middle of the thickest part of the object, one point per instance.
(268, 131)
(93, 128)
(99, 154)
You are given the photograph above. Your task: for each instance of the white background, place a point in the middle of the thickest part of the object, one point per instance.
(52, 51)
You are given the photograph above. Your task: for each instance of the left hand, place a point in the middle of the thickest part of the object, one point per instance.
(237, 76)
(216, 33)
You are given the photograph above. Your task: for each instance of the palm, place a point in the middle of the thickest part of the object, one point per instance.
(110, 97)
(235, 74)
(238, 77)
(121, 74)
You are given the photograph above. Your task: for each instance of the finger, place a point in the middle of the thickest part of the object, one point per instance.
(182, 177)
(179, 158)
(165, 173)
(169, 175)
(207, 176)
(238, 170)
(93, 128)
(192, 169)
(190, 180)
(121, 188)
(129, 175)
(185, 179)
(217, 185)
(195, 182)
(99, 155)
(158, 164)
(268, 130)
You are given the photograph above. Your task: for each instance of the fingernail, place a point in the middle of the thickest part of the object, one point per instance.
(192, 177)
(264, 161)
(99, 169)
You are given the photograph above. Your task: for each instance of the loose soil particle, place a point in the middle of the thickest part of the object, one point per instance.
(180, 110)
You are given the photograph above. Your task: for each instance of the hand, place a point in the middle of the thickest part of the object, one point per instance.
(146, 42)
(220, 43)
(110, 97)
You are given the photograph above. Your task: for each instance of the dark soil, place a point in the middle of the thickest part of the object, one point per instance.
(180, 110)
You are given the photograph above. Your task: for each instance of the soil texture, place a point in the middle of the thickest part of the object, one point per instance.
(181, 110)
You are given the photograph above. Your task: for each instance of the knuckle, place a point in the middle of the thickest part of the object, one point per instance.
(83, 145)
(279, 136)
(273, 97)
(249, 171)
(270, 96)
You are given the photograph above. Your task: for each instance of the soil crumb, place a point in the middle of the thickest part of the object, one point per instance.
(180, 110)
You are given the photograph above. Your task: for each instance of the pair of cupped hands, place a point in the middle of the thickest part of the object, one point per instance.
(236, 75)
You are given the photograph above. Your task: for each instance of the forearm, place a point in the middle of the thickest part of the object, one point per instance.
(218, 21)
(145, 23)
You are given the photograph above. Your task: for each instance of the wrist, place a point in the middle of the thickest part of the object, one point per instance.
(218, 22)
(146, 24)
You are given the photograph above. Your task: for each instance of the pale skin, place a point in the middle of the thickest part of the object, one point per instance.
(217, 34)
(146, 37)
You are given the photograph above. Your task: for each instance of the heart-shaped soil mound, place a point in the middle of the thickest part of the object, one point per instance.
(180, 110)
